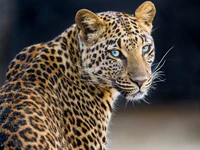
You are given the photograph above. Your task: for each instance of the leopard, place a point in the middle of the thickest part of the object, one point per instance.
(60, 94)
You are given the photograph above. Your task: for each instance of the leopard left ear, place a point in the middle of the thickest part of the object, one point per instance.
(145, 14)
(90, 25)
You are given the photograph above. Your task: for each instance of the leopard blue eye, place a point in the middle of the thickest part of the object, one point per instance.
(115, 53)
(146, 48)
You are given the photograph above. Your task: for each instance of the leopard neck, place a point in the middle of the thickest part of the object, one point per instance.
(96, 103)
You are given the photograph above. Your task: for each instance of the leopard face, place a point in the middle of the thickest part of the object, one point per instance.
(118, 49)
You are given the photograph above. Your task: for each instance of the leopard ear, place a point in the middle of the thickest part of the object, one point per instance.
(145, 14)
(90, 25)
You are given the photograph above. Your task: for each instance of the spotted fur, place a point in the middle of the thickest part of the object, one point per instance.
(60, 94)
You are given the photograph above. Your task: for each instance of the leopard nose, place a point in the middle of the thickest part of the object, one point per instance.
(139, 82)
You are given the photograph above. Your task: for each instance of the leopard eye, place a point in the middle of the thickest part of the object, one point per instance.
(146, 49)
(115, 53)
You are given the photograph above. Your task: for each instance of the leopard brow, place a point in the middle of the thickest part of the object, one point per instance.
(119, 43)
(145, 38)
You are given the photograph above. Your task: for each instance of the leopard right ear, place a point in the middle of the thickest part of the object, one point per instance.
(90, 25)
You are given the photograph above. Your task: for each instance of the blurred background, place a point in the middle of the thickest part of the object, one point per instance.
(171, 119)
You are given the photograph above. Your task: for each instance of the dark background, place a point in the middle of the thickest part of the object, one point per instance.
(177, 22)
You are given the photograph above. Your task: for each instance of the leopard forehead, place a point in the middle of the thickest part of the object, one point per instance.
(120, 26)
(115, 20)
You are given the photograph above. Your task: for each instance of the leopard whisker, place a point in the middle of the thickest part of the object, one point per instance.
(162, 59)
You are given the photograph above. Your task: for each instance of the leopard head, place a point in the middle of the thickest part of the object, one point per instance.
(118, 49)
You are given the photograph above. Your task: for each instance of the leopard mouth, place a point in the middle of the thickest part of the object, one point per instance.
(129, 92)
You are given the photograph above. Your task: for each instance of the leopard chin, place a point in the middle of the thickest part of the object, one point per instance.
(137, 96)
